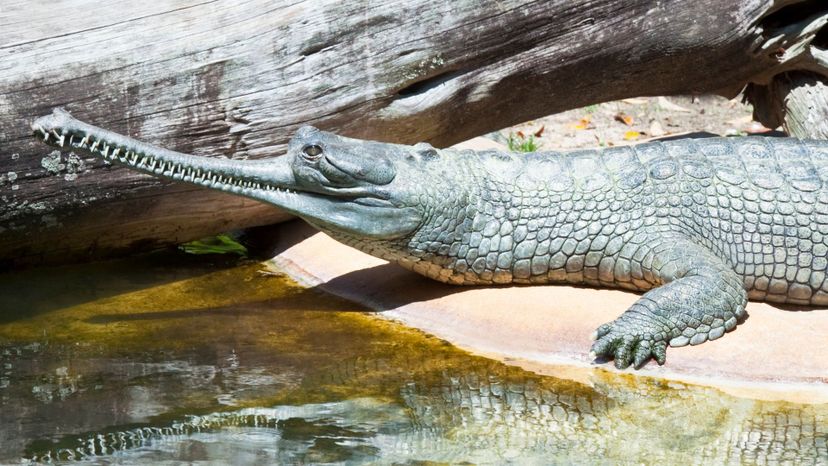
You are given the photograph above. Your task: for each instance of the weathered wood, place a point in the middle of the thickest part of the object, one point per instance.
(224, 78)
(797, 101)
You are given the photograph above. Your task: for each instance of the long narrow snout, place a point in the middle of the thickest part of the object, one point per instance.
(60, 129)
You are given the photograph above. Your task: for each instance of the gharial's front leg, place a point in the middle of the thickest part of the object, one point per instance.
(699, 299)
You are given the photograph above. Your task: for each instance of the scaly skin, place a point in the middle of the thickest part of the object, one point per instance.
(697, 225)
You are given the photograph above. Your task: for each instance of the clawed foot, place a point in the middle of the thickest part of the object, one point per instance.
(629, 343)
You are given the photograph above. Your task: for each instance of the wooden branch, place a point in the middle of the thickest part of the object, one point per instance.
(797, 101)
(235, 79)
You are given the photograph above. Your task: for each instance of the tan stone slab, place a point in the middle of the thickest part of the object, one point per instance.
(775, 354)
(480, 143)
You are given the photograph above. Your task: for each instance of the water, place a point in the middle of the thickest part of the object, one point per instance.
(176, 359)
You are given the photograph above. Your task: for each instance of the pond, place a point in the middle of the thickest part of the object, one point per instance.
(174, 358)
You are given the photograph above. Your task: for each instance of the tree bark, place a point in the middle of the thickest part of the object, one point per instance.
(797, 101)
(231, 79)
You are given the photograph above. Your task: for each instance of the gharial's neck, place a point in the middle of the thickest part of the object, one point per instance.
(479, 234)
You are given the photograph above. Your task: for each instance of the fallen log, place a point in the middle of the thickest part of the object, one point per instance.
(225, 79)
(797, 101)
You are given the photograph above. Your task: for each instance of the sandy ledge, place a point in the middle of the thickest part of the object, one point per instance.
(775, 355)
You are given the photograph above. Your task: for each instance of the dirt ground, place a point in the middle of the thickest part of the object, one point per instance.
(630, 121)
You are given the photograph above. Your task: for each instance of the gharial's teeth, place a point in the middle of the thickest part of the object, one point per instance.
(95, 145)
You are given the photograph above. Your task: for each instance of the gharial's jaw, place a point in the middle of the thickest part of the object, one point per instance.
(60, 129)
(271, 180)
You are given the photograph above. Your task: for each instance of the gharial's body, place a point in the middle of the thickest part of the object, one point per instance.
(599, 217)
(699, 225)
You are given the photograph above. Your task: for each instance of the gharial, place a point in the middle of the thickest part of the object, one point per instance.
(699, 226)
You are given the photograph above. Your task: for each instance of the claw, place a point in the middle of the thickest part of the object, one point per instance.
(623, 354)
(660, 352)
(642, 354)
(603, 346)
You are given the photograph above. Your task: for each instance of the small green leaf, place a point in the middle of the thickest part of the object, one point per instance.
(518, 142)
(220, 244)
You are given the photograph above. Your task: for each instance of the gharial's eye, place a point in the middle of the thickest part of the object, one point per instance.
(312, 151)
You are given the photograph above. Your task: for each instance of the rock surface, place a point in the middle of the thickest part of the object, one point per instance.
(775, 354)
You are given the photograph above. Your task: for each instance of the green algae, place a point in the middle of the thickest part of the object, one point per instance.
(175, 358)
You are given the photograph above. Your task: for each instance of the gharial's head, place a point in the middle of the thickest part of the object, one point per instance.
(363, 188)
(360, 188)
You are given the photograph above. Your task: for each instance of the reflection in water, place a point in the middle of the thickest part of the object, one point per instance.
(177, 359)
